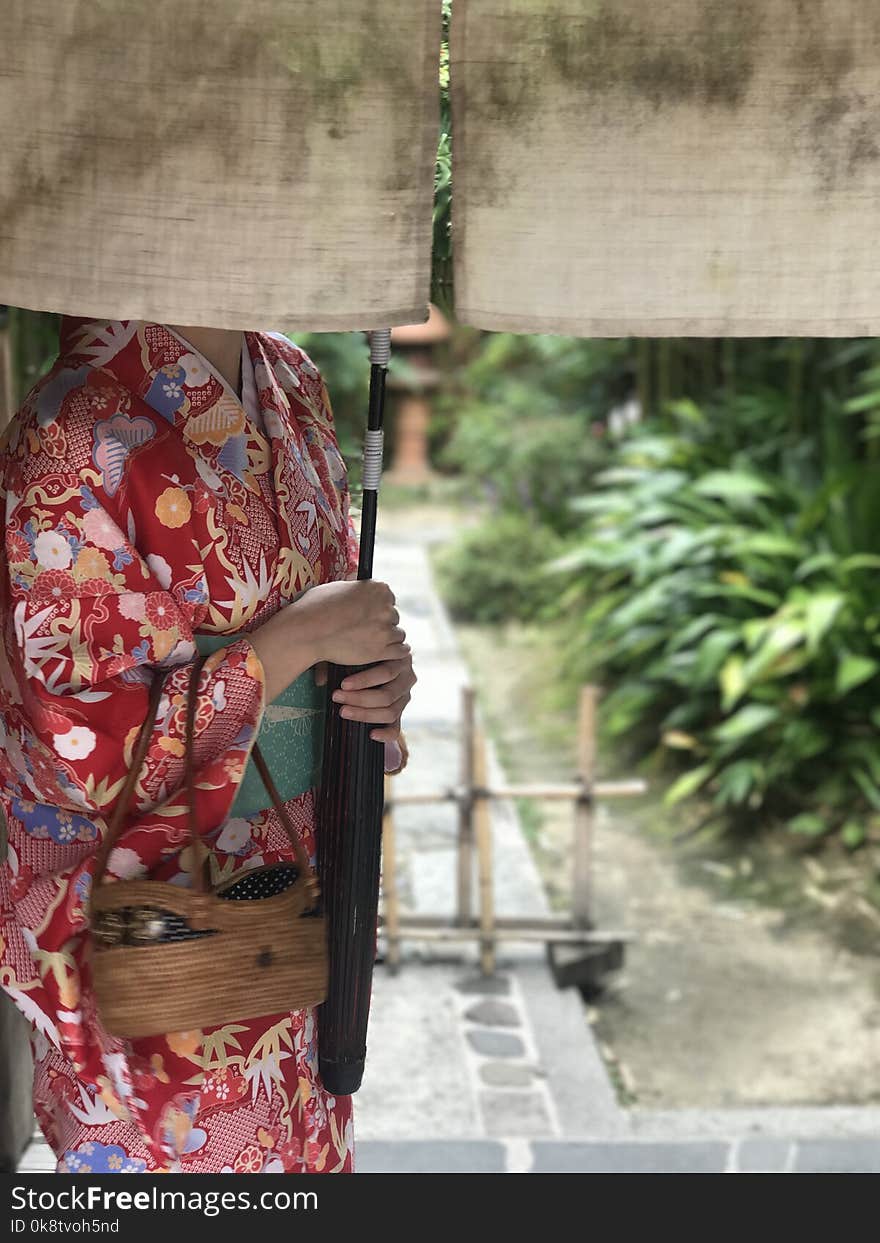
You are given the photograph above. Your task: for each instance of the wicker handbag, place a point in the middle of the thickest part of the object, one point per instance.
(166, 958)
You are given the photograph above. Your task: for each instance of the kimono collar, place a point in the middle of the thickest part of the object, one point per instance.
(179, 384)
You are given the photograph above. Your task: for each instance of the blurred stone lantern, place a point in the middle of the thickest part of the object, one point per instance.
(414, 344)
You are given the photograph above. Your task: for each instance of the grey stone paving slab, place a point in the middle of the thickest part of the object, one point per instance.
(585, 1100)
(764, 1156)
(494, 984)
(495, 1044)
(819, 1122)
(415, 1082)
(506, 1075)
(616, 1158)
(433, 881)
(511, 1114)
(492, 1013)
(430, 1157)
(38, 1158)
(854, 1156)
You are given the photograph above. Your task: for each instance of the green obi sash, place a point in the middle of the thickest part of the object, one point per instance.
(291, 738)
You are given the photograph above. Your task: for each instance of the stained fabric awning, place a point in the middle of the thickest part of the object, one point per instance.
(696, 167)
(239, 165)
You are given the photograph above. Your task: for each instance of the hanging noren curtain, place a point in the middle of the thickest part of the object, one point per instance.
(697, 167)
(241, 165)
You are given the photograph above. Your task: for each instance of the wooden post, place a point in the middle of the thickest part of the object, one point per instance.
(466, 810)
(390, 895)
(483, 827)
(583, 809)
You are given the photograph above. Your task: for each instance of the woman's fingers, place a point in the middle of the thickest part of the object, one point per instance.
(393, 753)
(390, 735)
(396, 651)
(376, 675)
(387, 686)
(379, 714)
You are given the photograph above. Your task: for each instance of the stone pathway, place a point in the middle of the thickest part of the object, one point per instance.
(503, 1075)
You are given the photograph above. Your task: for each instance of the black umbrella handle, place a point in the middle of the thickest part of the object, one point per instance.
(380, 354)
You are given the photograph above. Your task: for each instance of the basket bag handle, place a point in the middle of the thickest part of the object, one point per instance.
(139, 755)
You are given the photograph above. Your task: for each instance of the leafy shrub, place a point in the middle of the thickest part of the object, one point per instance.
(725, 590)
(532, 464)
(494, 571)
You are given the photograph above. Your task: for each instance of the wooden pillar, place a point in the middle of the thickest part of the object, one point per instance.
(390, 895)
(581, 897)
(466, 810)
(483, 830)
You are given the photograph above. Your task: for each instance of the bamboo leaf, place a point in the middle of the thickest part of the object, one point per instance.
(687, 784)
(732, 681)
(820, 613)
(853, 670)
(808, 824)
(732, 485)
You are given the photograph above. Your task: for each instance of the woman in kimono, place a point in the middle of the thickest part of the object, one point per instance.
(154, 509)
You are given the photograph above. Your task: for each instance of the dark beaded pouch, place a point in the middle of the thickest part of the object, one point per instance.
(264, 882)
(147, 925)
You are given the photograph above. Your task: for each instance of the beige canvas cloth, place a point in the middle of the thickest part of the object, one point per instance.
(239, 163)
(691, 167)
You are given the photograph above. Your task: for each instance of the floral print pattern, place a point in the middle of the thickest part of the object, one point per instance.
(143, 507)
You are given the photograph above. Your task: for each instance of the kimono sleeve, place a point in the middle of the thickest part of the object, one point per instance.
(350, 534)
(89, 622)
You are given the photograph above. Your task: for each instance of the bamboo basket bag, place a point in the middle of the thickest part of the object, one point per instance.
(165, 958)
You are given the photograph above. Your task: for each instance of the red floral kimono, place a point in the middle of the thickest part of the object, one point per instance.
(142, 506)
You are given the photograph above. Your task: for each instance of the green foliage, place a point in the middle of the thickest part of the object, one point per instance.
(34, 338)
(441, 258)
(523, 427)
(343, 358)
(523, 464)
(523, 434)
(724, 588)
(495, 571)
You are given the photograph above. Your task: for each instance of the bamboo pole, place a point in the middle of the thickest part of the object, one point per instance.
(390, 893)
(465, 799)
(581, 896)
(422, 931)
(708, 354)
(569, 790)
(643, 376)
(728, 365)
(483, 833)
(509, 926)
(664, 347)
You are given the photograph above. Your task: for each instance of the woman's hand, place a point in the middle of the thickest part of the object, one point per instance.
(378, 695)
(350, 622)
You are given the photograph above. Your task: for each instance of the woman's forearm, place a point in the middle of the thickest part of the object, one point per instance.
(283, 652)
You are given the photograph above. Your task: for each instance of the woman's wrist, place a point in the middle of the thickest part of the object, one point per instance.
(284, 651)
